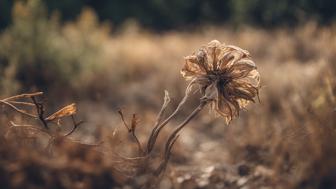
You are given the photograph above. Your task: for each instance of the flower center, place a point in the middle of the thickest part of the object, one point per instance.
(223, 81)
(221, 77)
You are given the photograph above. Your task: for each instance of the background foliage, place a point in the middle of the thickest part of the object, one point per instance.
(162, 14)
(73, 55)
(37, 51)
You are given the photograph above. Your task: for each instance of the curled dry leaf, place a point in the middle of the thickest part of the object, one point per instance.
(226, 75)
(66, 111)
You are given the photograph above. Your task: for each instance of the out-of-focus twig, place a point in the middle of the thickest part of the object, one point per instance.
(75, 125)
(24, 126)
(17, 109)
(18, 102)
(131, 130)
(13, 101)
(21, 103)
(40, 112)
(26, 95)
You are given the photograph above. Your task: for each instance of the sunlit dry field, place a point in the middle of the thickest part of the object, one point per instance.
(287, 140)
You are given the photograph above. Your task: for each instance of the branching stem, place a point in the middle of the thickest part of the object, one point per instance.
(173, 137)
(40, 112)
(158, 127)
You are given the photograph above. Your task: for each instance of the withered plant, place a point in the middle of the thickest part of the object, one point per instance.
(224, 75)
(32, 106)
(227, 79)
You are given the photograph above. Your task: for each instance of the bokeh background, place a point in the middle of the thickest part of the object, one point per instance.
(106, 55)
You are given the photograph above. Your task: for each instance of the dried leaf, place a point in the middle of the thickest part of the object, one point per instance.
(66, 111)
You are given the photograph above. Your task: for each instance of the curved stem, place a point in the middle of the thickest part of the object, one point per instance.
(173, 137)
(157, 129)
(140, 150)
(184, 123)
(75, 125)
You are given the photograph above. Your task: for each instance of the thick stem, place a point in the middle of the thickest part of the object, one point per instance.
(157, 129)
(184, 123)
(173, 137)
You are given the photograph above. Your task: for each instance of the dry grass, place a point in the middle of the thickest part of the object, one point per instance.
(220, 73)
(287, 141)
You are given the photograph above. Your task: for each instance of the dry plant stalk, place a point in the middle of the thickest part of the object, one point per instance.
(224, 75)
(227, 79)
(26, 104)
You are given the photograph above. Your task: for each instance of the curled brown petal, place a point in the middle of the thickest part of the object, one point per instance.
(226, 74)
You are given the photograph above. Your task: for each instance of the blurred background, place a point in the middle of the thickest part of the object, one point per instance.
(170, 15)
(104, 55)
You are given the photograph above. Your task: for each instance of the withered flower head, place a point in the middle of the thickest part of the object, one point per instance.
(226, 76)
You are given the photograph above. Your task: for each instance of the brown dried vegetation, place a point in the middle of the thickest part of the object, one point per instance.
(225, 81)
(286, 141)
(226, 75)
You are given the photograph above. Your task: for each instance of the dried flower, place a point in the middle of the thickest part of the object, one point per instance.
(226, 76)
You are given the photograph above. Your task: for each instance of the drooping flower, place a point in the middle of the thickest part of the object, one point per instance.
(226, 76)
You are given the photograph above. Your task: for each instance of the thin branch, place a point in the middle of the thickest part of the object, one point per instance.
(21, 103)
(123, 120)
(131, 130)
(75, 125)
(141, 152)
(26, 95)
(14, 125)
(17, 109)
(40, 112)
(134, 123)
